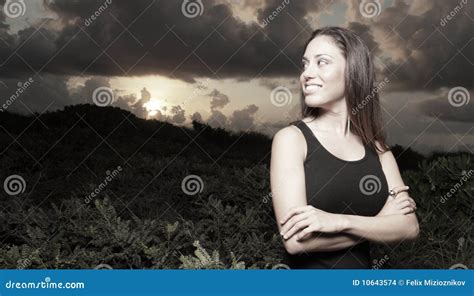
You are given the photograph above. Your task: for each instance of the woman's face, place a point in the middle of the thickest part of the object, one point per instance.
(322, 79)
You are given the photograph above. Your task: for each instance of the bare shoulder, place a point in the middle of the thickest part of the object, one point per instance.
(291, 140)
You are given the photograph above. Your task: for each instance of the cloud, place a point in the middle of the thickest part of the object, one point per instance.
(418, 50)
(197, 117)
(217, 119)
(243, 119)
(446, 107)
(215, 43)
(219, 100)
(27, 94)
(178, 114)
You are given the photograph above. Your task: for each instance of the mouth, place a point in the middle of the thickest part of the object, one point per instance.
(311, 87)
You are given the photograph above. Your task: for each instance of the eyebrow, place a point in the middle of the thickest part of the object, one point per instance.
(316, 56)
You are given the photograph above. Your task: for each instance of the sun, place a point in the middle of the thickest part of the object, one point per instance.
(153, 106)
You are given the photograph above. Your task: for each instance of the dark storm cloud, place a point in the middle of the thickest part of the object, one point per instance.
(432, 53)
(160, 39)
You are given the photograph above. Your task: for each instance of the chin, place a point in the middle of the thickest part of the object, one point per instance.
(314, 101)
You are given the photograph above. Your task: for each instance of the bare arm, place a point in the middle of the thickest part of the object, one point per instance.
(288, 191)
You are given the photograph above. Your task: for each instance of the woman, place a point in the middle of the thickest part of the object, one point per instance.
(331, 171)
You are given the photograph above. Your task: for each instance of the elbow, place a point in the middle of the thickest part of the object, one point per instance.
(293, 247)
(413, 232)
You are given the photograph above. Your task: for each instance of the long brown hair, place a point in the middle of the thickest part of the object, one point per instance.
(362, 100)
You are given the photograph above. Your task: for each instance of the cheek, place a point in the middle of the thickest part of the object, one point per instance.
(333, 76)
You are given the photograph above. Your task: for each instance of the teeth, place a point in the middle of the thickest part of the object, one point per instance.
(313, 87)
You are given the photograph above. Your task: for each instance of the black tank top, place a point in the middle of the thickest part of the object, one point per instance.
(344, 187)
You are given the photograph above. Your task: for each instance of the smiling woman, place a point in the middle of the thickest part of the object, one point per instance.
(331, 171)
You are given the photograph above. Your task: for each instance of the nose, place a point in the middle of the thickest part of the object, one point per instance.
(308, 73)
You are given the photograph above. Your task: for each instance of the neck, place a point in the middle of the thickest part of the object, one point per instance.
(334, 119)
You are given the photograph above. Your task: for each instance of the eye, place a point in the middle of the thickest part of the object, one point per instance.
(322, 62)
(304, 65)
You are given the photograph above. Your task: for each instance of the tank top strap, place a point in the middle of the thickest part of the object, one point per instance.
(311, 141)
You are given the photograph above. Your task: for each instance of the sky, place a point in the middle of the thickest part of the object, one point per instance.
(235, 64)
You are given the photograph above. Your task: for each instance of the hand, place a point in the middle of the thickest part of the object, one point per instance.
(303, 221)
(398, 205)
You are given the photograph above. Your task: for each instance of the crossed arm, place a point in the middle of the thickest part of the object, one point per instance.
(307, 229)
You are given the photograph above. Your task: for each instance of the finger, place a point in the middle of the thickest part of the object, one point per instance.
(407, 204)
(407, 210)
(304, 235)
(297, 227)
(402, 199)
(293, 211)
(290, 223)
